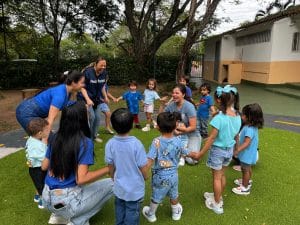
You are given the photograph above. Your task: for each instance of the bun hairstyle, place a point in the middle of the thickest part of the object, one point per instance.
(70, 76)
(166, 122)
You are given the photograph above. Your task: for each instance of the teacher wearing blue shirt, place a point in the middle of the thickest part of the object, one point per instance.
(49, 102)
(94, 93)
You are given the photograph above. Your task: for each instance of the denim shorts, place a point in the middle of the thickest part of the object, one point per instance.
(104, 107)
(164, 185)
(219, 157)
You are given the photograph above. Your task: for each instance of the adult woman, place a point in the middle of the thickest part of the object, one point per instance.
(49, 102)
(94, 93)
(188, 116)
(67, 193)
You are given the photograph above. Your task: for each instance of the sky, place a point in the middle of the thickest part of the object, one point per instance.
(240, 13)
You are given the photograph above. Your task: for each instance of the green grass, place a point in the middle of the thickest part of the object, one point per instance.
(274, 197)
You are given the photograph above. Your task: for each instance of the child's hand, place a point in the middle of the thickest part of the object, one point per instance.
(195, 155)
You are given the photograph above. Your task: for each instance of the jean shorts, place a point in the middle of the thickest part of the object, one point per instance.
(104, 107)
(164, 185)
(219, 157)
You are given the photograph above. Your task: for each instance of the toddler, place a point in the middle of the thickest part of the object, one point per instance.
(222, 141)
(165, 152)
(253, 119)
(205, 106)
(127, 162)
(132, 98)
(35, 153)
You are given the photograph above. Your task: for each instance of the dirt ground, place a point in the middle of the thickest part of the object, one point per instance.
(9, 99)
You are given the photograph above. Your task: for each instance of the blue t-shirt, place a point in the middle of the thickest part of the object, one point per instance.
(94, 84)
(132, 99)
(205, 103)
(188, 91)
(249, 154)
(56, 96)
(127, 155)
(228, 127)
(166, 153)
(85, 157)
(35, 151)
(150, 96)
(187, 111)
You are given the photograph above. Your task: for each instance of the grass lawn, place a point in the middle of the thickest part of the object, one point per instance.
(274, 197)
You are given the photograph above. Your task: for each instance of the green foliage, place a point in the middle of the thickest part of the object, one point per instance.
(171, 47)
(273, 199)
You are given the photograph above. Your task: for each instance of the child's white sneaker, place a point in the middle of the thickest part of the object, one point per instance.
(216, 207)
(241, 190)
(146, 128)
(181, 161)
(240, 182)
(211, 195)
(177, 211)
(150, 218)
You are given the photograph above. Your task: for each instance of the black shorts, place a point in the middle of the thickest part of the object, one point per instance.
(38, 177)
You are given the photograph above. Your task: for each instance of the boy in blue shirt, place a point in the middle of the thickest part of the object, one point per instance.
(132, 98)
(205, 106)
(35, 153)
(127, 162)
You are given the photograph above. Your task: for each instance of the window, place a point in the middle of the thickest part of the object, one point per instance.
(295, 43)
(259, 37)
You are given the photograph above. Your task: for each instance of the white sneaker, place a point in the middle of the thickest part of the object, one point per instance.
(240, 182)
(181, 161)
(54, 219)
(70, 223)
(176, 213)
(241, 190)
(98, 140)
(146, 128)
(216, 207)
(211, 195)
(150, 218)
(190, 161)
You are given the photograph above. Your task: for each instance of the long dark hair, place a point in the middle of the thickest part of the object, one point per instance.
(254, 115)
(72, 134)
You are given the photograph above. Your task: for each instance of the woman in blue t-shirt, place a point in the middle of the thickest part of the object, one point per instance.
(49, 102)
(72, 191)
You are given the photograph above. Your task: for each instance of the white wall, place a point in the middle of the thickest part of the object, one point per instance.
(210, 46)
(282, 39)
(259, 52)
(228, 48)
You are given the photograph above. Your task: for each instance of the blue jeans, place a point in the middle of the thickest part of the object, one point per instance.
(94, 120)
(127, 212)
(203, 127)
(78, 203)
(28, 110)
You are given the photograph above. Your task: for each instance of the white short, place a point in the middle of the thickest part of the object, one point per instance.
(149, 108)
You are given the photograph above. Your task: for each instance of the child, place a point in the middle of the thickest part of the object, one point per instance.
(165, 152)
(221, 142)
(206, 105)
(129, 184)
(253, 119)
(188, 93)
(150, 95)
(106, 111)
(35, 153)
(132, 98)
(183, 137)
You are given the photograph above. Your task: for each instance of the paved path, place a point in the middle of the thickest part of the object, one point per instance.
(14, 141)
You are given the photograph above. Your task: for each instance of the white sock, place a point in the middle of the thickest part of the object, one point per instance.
(153, 208)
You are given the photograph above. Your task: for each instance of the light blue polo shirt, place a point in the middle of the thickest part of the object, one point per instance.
(150, 96)
(127, 155)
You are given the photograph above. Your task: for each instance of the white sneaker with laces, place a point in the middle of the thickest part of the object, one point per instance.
(98, 140)
(211, 195)
(54, 219)
(146, 128)
(216, 207)
(240, 182)
(176, 212)
(150, 218)
(241, 190)
(181, 161)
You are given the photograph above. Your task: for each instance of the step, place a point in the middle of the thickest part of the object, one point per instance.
(293, 85)
(291, 92)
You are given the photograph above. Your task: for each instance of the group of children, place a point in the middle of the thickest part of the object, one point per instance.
(226, 139)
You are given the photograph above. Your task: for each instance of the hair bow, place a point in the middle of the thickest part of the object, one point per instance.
(66, 73)
(228, 88)
(219, 91)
